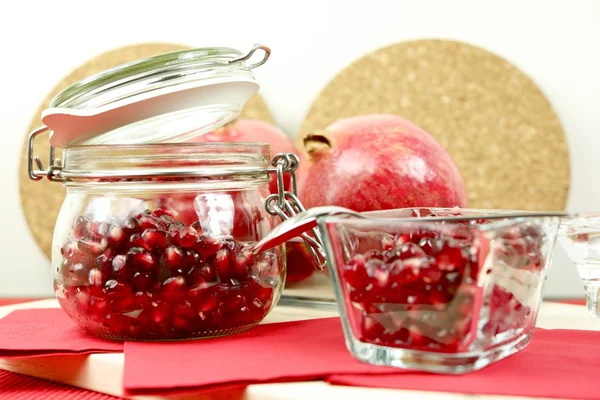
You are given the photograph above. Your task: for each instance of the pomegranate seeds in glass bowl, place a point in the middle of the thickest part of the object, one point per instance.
(440, 290)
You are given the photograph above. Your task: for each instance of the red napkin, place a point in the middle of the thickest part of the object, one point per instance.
(556, 364)
(48, 331)
(280, 352)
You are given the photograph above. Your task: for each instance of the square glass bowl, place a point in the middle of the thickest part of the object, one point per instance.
(438, 290)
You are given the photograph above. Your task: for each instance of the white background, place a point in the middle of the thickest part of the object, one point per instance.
(556, 42)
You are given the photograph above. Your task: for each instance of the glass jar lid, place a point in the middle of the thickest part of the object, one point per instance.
(126, 104)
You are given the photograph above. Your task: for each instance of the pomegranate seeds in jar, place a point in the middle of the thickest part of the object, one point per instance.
(150, 277)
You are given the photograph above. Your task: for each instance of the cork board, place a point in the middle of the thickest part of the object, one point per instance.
(41, 215)
(494, 121)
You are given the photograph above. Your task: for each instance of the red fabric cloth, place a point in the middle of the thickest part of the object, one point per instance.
(281, 352)
(15, 386)
(36, 332)
(556, 364)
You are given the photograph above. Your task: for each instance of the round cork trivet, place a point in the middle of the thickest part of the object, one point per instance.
(493, 120)
(41, 200)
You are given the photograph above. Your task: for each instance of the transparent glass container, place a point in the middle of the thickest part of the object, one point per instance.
(440, 290)
(154, 238)
(144, 255)
(579, 235)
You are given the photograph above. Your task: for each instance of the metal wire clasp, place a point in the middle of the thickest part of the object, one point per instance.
(286, 204)
(53, 172)
(257, 46)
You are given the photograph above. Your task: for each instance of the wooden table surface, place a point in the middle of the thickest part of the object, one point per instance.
(103, 372)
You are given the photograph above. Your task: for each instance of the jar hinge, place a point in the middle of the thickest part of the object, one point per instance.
(286, 204)
(53, 172)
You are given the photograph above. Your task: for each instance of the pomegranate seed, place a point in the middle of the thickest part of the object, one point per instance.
(120, 268)
(160, 211)
(416, 337)
(141, 258)
(222, 264)
(175, 226)
(160, 313)
(408, 250)
(208, 272)
(104, 264)
(451, 259)
(416, 298)
(115, 236)
(155, 238)
(133, 327)
(95, 277)
(240, 267)
(186, 237)
(382, 278)
(80, 228)
(184, 310)
(98, 306)
(374, 254)
(151, 222)
(208, 304)
(371, 329)
(452, 277)
(131, 226)
(261, 289)
(372, 265)
(97, 229)
(136, 240)
(115, 323)
(355, 273)
(257, 305)
(68, 249)
(116, 287)
(437, 299)
(173, 287)
(141, 280)
(405, 272)
(231, 245)
(429, 246)
(431, 273)
(78, 273)
(400, 239)
(181, 324)
(93, 248)
(387, 243)
(195, 277)
(83, 300)
(190, 260)
(208, 246)
(234, 302)
(142, 299)
(173, 257)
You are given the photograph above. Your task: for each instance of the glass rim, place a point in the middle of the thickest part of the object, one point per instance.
(496, 216)
(180, 160)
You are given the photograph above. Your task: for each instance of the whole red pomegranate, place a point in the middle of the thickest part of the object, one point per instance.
(378, 161)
